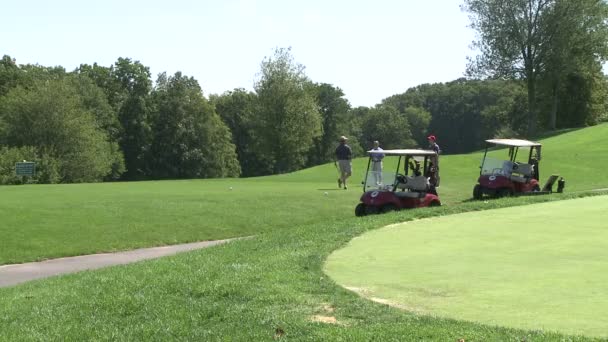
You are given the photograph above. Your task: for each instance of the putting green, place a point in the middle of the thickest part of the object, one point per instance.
(541, 266)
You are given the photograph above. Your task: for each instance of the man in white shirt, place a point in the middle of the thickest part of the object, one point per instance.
(377, 162)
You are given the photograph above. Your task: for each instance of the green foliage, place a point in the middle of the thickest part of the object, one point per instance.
(580, 102)
(289, 120)
(190, 139)
(47, 167)
(127, 85)
(578, 46)
(52, 117)
(511, 42)
(419, 120)
(357, 116)
(237, 109)
(13, 75)
(385, 124)
(336, 122)
(463, 113)
(543, 42)
(9, 74)
(95, 101)
(417, 117)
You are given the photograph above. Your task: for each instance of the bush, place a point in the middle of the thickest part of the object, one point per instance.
(51, 117)
(47, 167)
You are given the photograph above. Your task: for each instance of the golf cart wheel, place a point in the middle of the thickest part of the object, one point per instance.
(388, 208)
(371, 210)
(477, 193)
(435, 204)
(505, 192)
(360, 210)
(536, 188)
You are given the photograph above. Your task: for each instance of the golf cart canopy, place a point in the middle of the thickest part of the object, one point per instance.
(513, 142)
(405, 152)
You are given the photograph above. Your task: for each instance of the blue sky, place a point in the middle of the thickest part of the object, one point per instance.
(370, 49)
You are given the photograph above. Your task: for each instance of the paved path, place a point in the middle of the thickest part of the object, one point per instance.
(19, 273)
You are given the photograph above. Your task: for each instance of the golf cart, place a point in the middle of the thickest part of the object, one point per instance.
(387, 191)
(500, 177)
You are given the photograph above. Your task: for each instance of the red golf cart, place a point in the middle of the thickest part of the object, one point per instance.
(506, 177)
(388, 191)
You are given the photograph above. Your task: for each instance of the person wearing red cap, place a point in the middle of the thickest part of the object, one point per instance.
(433, 144)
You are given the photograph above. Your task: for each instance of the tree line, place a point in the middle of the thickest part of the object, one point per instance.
(539, 68)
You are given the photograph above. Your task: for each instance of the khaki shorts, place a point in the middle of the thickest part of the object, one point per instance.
(345, 166)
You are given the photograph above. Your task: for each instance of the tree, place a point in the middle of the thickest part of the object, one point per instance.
(52, 117)
(94, 101)
(579, 100)
(530, 38)
(25, 75)
(9, 74)
(385, 124)
(190, 139)
(578, 43)
(512, 42)
(237, 109)
(334, 109)
(463, 113)
(288, 120)
(127, 85)
(417, 117)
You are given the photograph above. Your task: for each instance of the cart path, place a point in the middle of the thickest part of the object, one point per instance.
(19, 273)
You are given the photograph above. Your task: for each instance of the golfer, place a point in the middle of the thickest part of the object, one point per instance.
(433, 144)
(433, 173)
(344, 155)
(377, 162)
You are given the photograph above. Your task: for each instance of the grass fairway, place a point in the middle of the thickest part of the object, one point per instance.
(271, 287)
(541, 266)
(43, 221)
(49, 221)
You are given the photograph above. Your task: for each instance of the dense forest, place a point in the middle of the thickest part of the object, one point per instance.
(539, 68)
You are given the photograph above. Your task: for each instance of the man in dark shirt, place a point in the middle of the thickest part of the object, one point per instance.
(344, 156)
(433, 173)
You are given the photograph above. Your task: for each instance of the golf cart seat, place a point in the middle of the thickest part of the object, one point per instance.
(414, 183)
(410, 194)
(522, 172)
(507, 168)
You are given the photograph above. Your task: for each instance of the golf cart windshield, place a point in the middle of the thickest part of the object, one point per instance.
(379, 180)
(408, 162)
(493, 166)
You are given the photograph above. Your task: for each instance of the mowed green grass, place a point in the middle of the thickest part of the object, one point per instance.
(270, 287)
(48, 221)
(541, 266)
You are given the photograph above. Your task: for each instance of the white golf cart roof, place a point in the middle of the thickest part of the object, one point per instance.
(513, 142)
(411, 152)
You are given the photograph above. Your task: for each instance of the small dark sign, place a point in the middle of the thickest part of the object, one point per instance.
(25, 169)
